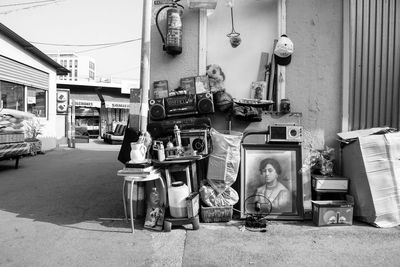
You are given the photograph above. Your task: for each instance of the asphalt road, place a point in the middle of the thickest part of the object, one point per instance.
(64, 208)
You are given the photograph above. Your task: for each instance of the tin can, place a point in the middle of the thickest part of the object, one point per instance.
(285, 105)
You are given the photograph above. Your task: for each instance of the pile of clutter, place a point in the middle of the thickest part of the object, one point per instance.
(14, 122)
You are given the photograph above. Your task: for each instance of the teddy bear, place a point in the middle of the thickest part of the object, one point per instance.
(216, 77)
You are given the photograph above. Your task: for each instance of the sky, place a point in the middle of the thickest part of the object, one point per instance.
(81, 23)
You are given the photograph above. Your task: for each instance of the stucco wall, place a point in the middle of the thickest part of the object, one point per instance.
(313, 79)
(172, 68)
(257, 23)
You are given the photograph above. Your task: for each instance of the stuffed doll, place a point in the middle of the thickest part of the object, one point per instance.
(216, 78)
(222, 100)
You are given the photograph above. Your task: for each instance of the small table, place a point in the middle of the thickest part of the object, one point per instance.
(188, 165)
(132, 178)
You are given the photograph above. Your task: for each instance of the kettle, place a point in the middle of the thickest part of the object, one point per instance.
(138, 152)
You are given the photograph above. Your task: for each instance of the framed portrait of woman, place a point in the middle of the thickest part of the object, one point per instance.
(270, 176)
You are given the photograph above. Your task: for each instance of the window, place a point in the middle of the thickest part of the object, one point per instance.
(36, 102)
(12, 95)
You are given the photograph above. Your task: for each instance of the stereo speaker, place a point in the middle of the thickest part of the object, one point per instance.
(205, 103)
(157, 109)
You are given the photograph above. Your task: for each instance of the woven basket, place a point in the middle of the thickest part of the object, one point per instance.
(216, 214)
(11, 138)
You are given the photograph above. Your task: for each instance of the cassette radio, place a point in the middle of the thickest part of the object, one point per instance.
(195, 142)
(180, 104)
(285, 133)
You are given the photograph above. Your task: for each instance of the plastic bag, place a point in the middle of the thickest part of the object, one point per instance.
(212, 199)
(224, 161)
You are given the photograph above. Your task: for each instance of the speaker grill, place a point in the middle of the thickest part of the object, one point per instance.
(205, 103)
(156, 109)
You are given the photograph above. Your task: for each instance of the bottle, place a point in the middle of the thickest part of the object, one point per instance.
(285, 105)
(177, 133)
(161, 152)
(154, 197)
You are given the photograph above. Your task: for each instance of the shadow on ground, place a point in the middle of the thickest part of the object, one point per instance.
(64, 186)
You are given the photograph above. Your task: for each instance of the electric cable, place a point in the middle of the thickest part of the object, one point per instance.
(27, 3)
(85, 45)
(30, 7)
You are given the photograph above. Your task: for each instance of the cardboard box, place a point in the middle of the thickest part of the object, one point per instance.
(332, 212)
(138, 201)
(329, 188)
(322, 183)
(372, 164)
(193, 206)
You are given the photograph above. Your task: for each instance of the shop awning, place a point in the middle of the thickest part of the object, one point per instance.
(116, 102)
(86, 100)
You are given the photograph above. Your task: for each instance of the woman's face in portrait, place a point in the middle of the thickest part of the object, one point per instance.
(269, 173)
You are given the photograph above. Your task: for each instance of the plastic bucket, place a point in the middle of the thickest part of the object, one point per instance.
(177, 194)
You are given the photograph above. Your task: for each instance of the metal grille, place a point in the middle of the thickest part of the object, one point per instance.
(13, 71)
(374, 71)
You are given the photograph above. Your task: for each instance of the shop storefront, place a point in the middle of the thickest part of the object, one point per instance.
(98, 106)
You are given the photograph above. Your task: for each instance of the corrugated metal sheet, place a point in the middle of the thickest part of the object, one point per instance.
(14, 71)
(374, 63)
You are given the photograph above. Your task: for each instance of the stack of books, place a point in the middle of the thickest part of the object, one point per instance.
(139, 169)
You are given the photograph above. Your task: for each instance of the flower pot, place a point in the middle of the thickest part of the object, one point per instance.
(35, 146)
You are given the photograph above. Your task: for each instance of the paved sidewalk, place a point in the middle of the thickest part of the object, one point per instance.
(64, 208)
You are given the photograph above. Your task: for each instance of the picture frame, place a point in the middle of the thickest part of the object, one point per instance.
(160, 89)
(258, 90)
(286, 194)
(189, 85)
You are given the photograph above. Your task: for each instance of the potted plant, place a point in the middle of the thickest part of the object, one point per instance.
(320, 161)
(33, 128)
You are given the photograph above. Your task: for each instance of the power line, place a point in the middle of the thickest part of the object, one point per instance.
(86, 45)
(27, 3)
(45, 3)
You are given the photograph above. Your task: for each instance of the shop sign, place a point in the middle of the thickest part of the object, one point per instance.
(87, 103)
(31, 99)
(117, 105)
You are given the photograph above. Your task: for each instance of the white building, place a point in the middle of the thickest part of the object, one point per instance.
(82, 68)
(28, 82)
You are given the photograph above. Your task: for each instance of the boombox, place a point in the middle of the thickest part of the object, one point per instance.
(195, 142)
(285, 133)
(180, 105)
(166, 127)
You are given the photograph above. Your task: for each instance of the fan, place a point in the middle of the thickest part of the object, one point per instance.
(257, 207)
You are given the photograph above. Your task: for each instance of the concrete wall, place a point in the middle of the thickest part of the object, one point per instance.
(313, 79)
(257, 23)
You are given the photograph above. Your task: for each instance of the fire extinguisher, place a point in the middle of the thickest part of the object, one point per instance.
(172, 43)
